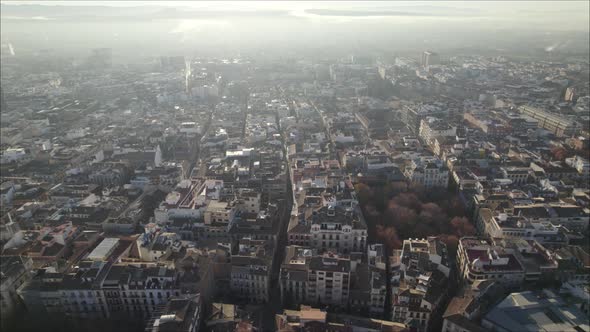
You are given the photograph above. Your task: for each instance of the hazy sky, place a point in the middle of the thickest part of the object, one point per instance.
(559, 15)
(553, 15)
(168, 25)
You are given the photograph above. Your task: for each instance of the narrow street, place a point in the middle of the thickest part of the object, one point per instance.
(195, 163)
(274, 305)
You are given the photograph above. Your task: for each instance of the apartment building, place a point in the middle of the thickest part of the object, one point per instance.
(180, 314)
(377, 290)
(188, 200)
(219, 212)
(428, 174)
(329, 280)
(419, 277)
(309, 278)
(539, 263)
(416, 297)
(508, 226)
(294, 274)
(518, 175)
(573, 217)
(103, 290)
(431, 128)
(250, 271)
(15, 272)
(425, 255)
(559, 125)
(479, 260)
(336, 228)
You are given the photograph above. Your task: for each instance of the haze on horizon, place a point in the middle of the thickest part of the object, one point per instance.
(182, 26)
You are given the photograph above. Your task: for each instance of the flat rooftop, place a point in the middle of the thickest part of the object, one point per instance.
(103, 249)
(537, 311)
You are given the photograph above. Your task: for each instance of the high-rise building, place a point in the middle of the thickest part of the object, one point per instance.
(3, 105)
(429, 58)
(569, 94)
(187, 76)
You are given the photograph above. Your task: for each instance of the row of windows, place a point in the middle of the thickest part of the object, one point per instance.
(247, 285)
(488, 276)
(84, 294)
(248, 276)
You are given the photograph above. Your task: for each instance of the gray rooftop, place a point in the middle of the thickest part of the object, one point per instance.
(536, 311)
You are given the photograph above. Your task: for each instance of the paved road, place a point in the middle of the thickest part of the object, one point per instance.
(274, 304)
(267, 313)
(196, 156)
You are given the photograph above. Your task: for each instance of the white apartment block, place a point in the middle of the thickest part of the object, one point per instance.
(429, 175)
(328, 280)
(339, 229)
(431, 128)
(219, 212)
